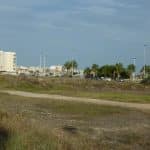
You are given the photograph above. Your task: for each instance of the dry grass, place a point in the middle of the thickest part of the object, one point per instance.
(40, 124)
(127, 91)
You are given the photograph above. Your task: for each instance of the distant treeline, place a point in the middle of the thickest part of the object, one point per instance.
(115, 71)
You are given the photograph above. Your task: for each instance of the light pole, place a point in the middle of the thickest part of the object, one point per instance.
(40, 62)
(44, 61)
(72, 67)
(134, 62)
(144, 59)
(72, 63)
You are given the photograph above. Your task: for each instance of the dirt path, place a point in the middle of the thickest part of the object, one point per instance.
(77, 99)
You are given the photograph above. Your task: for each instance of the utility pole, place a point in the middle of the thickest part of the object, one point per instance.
(73, 62)
(40, 61)
(134, 62)
(44, 63)
(145, 60)
(72, 67)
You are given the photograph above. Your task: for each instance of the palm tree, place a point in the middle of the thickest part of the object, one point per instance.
(70, 66)
(74, 65)
(67, 66)
(87, 72)
(95, 69)
(130, 69)
(119, 69)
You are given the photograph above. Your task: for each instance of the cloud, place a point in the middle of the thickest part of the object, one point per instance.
(84, 24)
(116, 15)
(61, 13)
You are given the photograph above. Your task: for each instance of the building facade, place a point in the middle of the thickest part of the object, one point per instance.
(56, 70)
(7, 61)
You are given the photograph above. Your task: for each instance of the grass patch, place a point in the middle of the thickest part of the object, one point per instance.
(4, 137)
(44, 124)
(81, 109)
(60, 107)
(119, 96)
(126, 92)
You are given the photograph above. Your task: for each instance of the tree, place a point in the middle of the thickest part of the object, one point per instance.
(119, 68)
(124, 74)
(87, 72)
(74, 65)
(104, 71)
(107, 71)
(147, 70)
(113, 71)
(67, 66)
(95, 69)
(130, 69)
(70, 66)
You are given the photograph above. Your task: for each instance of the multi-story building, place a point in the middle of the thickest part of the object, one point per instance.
(7, 61)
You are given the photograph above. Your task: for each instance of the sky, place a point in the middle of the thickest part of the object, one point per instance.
(89, 31)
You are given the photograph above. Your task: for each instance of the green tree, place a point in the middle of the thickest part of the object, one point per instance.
(87, 72)
(130, 69)
(104, 71)
(70, 66)
(95, 69)
(119, 68)
(74, 65)
(67, 66)
(107, 71)
(147, 70)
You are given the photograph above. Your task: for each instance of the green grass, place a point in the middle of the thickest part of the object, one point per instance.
(125, 92)
(119, 96)
(61, 107)
(79, 109)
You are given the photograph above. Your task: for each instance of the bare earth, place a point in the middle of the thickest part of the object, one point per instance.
(77, 99)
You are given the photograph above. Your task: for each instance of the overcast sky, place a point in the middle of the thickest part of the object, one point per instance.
(90, 31)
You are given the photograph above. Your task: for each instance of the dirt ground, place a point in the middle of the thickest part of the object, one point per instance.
(86, 100)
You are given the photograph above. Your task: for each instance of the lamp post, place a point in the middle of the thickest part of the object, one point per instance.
(134, 62)
(72, 67)
(40, 62)
(144, 59)
(72, 62)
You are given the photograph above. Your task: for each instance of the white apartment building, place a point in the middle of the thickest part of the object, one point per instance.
(7, 61)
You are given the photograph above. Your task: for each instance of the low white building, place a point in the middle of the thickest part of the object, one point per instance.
(7, 61)
(22, 70)
(56, 70)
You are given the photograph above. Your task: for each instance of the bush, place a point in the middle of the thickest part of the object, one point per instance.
(146, 81)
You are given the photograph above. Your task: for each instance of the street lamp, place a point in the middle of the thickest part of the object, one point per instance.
(134, 62)
(144, 59)
(72, 67)
(72, 63)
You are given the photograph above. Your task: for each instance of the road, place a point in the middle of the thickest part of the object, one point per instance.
(78, 99)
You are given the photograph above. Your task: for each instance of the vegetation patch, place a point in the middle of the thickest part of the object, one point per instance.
(4, 137)
(126, 91)
(70, 129)
(43, 124)
(146, 81)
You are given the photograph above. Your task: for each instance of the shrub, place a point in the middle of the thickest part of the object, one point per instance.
(146, 81)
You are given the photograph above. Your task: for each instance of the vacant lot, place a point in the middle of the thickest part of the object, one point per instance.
(44, 124)
(126, 91)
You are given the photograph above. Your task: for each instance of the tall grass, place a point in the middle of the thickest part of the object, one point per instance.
(40, 124)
